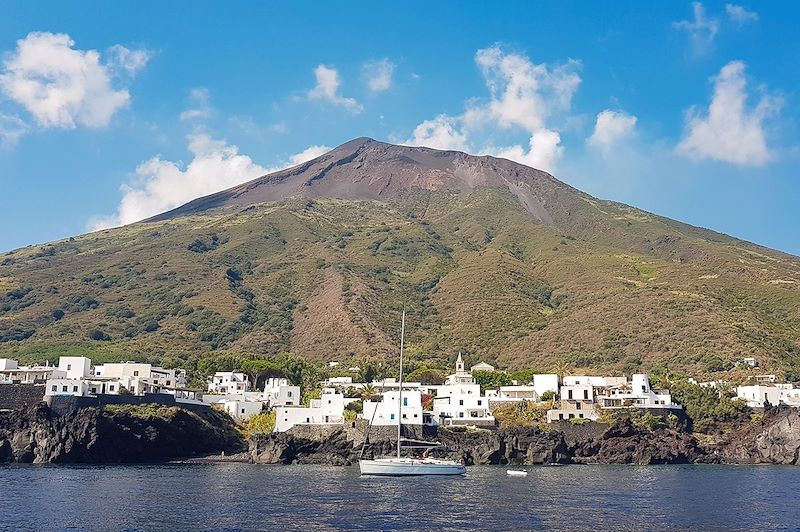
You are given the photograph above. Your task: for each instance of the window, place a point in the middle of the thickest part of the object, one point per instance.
(480, 402)
(111, 388)
(167, 383)
(577, 406)
(561, 416)
(569, 394)
(405, 401)
(74, 388)
(135, 373)
(391, 417)
(461, 414)
(585, 394)
(571, 416)
(55, 388)
(580, 416)
(460, 402)
(63, 388)
(289, 393)
(242, 410)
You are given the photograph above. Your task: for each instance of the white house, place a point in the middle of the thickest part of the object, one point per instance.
(593, 380)
(228, 382)
(575, 401)
(278, 392)
(758, 395)
(327, 410)
(638, 394)
(384, 412)
(481, 366)
(241, 410)
(461, 404)
(750, 361)
(75, 367)
(12, 373)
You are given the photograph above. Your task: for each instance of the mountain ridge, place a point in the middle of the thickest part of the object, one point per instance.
(492, 258)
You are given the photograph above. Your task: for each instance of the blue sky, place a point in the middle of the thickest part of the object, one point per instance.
(112, 111)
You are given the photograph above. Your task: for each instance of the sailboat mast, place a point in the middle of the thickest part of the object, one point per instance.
(400, 395)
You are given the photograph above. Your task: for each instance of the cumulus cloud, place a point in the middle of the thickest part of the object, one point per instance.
(378, 75)
(702, 29)
(130, 61)
(729, 130)
(160, 185)
(327, 89)
(62, 87)
(739, 15)
(12, 128)
(441, 133)
(199, 98)
(543, 151)
(610, 127)
(523, 97)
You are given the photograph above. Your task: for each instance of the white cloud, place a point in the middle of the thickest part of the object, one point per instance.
(63, 87)
(312, 152)
(131, 61)
(702, 30)
(611, 127)
(161, 185)
(441, 133)
(523, 96)
(543, 151)
(739, 15)
(327, 89)
(730, 130)
(378, 75)
(12, 128)
(199, 97)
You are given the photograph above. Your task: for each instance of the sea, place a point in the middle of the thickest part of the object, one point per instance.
(234, 496)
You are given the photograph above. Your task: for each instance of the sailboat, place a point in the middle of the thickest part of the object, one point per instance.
(398, 466)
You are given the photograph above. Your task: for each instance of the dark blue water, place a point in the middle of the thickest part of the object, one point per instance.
(251, 497)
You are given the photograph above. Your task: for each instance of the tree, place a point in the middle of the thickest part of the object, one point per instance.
(367, 392)
(491, 379)
(426, 376)
(263, 422)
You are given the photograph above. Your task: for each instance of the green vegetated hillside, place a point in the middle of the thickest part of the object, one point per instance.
(601, 285)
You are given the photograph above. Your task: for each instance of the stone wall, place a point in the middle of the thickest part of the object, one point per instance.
(63, 404)
(13, 396)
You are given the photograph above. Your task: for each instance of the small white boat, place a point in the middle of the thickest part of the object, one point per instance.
(517, 472)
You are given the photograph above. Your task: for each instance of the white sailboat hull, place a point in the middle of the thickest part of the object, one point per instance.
(402, 467)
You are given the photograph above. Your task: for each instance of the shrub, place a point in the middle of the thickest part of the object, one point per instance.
(263, 423)
(491, 379)
(97, 334)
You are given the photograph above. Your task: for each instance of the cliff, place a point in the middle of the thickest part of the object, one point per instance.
(131, 434)
(775, 439)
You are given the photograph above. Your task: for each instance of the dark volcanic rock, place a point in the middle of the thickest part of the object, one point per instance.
(773, 440)
(624, 443)
(95, 436)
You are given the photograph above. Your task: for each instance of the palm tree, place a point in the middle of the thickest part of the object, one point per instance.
(367, 392)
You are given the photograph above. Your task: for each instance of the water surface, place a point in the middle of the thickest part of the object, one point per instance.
(252, 497)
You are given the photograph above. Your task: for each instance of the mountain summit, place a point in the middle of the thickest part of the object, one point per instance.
(365, 169)
(491, 258)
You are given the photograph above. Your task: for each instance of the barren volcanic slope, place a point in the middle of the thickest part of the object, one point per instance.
(493, 258)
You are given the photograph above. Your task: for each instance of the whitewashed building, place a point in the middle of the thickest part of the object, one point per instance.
(279, 392)
(758, 395)
(75, 367)
(575, 401)
(228, 382)
(327, 410)
(384, 412)
(481, 366)
(461, 404)
(241, 409)
(637, 394)
(12, 373)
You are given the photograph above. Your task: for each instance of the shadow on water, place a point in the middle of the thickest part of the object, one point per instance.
(250, 497)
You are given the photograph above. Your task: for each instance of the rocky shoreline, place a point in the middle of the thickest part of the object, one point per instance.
(93, 435)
